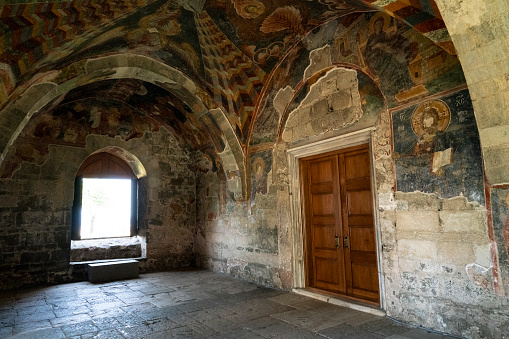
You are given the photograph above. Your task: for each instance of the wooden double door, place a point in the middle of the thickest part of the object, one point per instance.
(340, 246)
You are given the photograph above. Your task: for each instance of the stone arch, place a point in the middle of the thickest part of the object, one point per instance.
(478, 29)
(324, 92)
(37, 93)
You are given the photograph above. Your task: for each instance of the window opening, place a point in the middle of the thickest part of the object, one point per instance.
(105, 199)
(106, 208)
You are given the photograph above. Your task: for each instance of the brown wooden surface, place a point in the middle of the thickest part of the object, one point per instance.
(105, 165)
(338, 201)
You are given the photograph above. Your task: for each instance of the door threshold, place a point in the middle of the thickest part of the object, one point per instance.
(340, 302)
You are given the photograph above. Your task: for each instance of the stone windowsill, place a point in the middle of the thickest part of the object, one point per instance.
(97, 250)
(104, 242)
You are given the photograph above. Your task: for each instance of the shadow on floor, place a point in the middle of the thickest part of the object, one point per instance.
(184, 304)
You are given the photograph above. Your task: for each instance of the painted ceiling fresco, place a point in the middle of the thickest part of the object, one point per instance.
(231, 48)
(404, 64)
(126, 108)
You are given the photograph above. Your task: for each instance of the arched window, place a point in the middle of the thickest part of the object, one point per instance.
(105, 199)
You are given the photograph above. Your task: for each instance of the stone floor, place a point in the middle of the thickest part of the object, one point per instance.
(187, 304)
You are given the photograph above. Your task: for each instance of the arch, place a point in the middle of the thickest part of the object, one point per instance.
(368, 121)
(107, 163)
(41, 90)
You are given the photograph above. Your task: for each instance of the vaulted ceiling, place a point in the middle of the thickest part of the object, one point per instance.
(234, 50)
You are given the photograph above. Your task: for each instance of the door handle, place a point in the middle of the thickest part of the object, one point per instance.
(336, 240)
(346, 242)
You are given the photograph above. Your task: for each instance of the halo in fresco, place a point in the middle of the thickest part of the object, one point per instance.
(433, 114)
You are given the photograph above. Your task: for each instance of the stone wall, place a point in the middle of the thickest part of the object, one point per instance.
(437, 265)
(480, 33)
(435, 245)
(252, 239)
(237, 239)
(36, 203)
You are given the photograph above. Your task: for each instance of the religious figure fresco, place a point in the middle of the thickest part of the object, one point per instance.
(429, 121)
(388, 54)
(231, 48)
(437, 148)
(261, 165)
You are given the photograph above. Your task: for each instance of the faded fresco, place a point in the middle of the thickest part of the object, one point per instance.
(261, 166)
(437, 148)
(229, 48)
(126, 108)
(405, 65)
(500, 209)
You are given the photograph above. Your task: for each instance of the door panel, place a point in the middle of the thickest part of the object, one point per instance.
(323, 204)
(340, 235)
(327, 274)
(357, 166)
(324, 236)
(359, 203)
(362, 239)
(325, 260)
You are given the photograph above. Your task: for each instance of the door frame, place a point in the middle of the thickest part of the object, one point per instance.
(297, 217)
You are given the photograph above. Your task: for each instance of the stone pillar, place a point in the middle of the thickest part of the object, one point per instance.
(480, 33)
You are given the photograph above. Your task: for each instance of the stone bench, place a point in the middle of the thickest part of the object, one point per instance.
(113, 270)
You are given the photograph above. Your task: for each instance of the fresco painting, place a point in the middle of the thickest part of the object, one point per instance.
(437, 148)
(500, 209)
(261, 166)
(229, 48)
(405, 65)
(127, 108)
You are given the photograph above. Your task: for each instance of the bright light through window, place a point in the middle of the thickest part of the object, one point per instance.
(106, 208)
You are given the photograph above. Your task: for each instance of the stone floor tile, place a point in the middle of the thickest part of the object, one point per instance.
(310, 304)
(346, 331)
(106, 323)
(153, 314)
(304, 319)
(33, 317)
(105, 334)
(66, 312)
(192, 306)
(183, 319)
(129, 320)
(246, 315)
(138, 307)
(29, 310)
(72, 319)
(219, 312)
(30, 326)
(185, 304)
(185, 332)
(202, 328)
(7, 320)
(417, 333)
(5, 331)
(108, 313)
(385, 327)
(43, 333)
(361, 318)
(270, 327)
(236, 334)
(79, 328)
(164, 324)
(300, 334)
(139, 331)
(289, 299)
